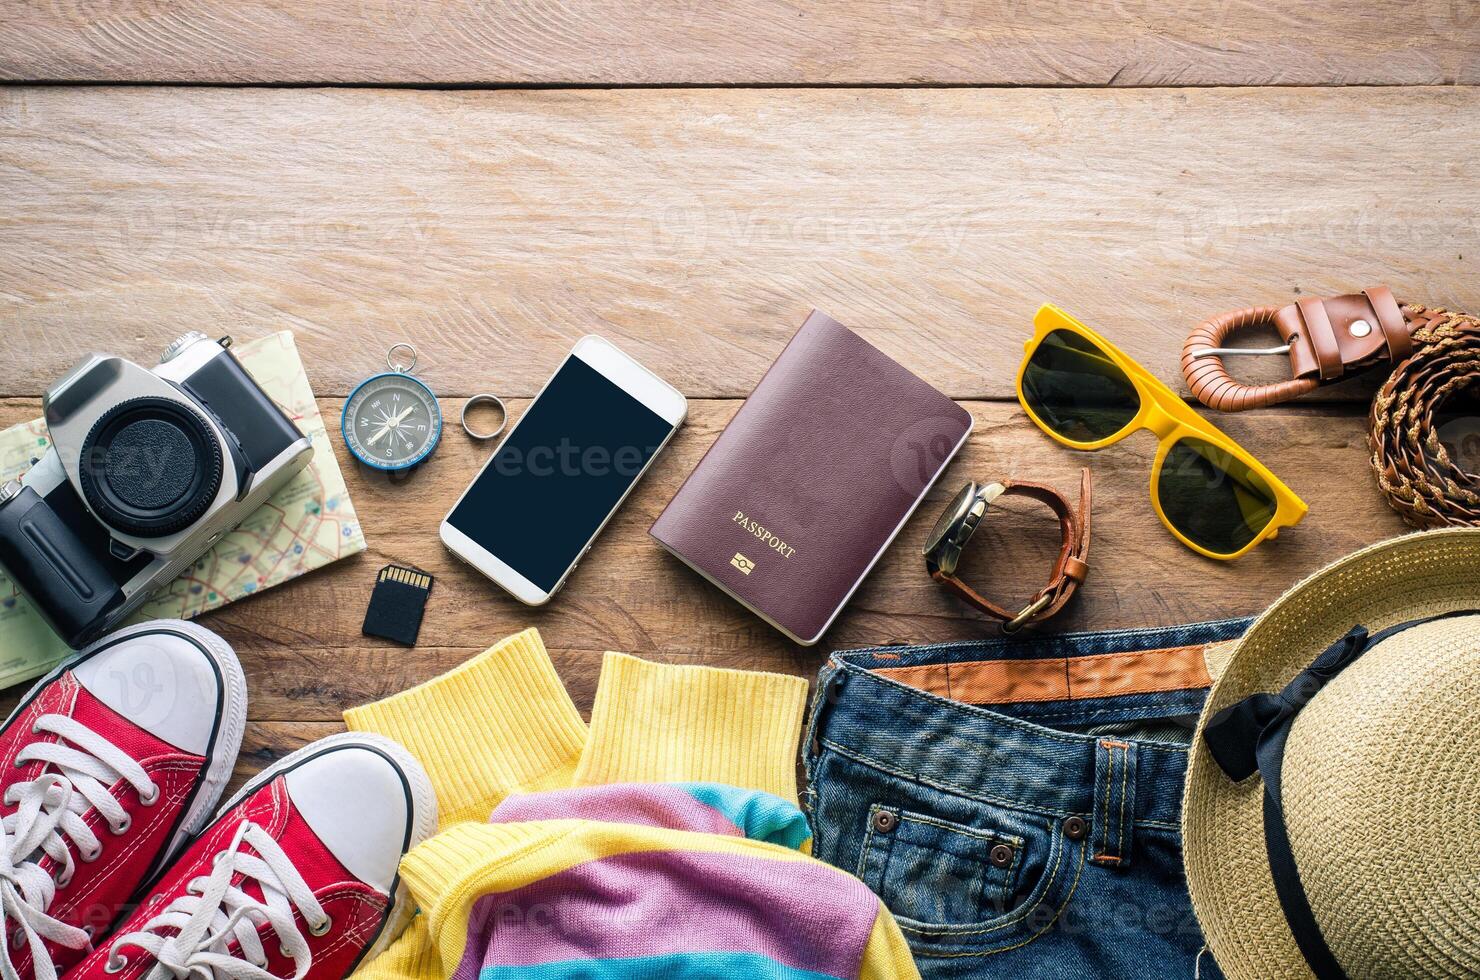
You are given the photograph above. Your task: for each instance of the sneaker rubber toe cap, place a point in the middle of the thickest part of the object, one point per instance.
(164, 682)
(358, 803)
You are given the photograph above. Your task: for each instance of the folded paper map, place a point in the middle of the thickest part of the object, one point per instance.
(305, 525)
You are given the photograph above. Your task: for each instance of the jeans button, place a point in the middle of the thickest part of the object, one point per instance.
(1001, 855)
(885, 822)
(1075, 828)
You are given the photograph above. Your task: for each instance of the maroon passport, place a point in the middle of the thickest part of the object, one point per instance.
(813, 478)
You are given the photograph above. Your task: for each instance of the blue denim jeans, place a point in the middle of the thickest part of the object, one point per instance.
(1016, 803)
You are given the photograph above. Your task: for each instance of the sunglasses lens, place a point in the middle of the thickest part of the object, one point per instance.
(1077, 390)
(1214, 498)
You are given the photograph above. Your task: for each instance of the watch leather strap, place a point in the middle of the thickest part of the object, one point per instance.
(1069, 570)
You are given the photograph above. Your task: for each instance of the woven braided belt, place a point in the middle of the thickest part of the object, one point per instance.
(1430, 473)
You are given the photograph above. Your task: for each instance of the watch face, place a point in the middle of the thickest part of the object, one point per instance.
(392, 422)
(954, 514)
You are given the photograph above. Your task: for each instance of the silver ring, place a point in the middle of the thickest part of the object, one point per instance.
(390, 359)
(485, 400)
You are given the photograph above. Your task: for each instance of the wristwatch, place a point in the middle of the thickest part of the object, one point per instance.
(954, 529)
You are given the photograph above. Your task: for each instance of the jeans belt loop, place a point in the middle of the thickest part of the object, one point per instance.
(1113, 822)
(830, 684)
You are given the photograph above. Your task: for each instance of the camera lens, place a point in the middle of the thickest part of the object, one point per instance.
(150, 467)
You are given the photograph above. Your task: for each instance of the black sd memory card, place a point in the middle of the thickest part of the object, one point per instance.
(397, 604)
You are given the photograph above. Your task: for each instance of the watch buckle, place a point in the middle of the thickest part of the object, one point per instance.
(1029, 611)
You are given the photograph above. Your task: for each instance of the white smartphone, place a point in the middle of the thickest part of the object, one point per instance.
(561, 472)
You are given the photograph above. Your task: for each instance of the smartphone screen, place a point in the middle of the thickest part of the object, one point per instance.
(553, 481)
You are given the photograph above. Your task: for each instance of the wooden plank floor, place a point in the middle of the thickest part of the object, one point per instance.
(689, 179)
(745, 42)
(694, 227)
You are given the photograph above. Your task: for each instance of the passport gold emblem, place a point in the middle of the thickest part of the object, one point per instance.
(745, 565)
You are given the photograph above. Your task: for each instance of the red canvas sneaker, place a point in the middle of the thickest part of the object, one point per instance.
(297, 876)
(110, 763)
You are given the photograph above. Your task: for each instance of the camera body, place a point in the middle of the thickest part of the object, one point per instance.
(147, 470)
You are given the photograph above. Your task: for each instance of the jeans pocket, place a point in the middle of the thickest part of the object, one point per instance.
(931, 870)
(951, 887)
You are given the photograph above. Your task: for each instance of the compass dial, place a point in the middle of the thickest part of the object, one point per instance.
(391, 422)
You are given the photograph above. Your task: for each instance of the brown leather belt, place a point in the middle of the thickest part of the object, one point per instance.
(1328, 339)
(1428, 475)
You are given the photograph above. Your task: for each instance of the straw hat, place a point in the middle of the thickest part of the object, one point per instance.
(1380, 777)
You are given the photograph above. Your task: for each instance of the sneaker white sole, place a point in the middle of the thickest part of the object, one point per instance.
(423, 800)
(227, 740)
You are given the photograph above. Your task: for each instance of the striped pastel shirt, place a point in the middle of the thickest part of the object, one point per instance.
(636, 881)
(621, 849)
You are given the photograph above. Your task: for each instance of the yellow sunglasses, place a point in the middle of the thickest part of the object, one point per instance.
(1085, 393)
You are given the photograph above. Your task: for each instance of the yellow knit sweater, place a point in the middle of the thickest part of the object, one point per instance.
(501, 726)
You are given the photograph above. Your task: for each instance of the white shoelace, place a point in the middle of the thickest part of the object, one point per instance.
(81, 768)
(213, 912)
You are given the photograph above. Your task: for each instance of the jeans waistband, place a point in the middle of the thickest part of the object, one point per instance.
(901, 710)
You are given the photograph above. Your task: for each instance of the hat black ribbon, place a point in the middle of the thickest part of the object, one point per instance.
(1250, 736)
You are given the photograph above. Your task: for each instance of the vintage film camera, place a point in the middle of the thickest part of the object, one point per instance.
(147, 470)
